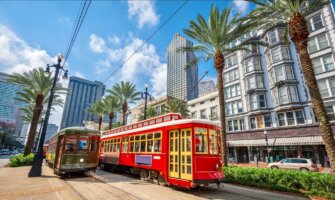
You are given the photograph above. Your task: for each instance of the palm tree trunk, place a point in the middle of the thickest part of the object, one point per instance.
(111, 116)
(34, 122)
(100, 122)
(124, 111)
(299, 35)
(219, 66)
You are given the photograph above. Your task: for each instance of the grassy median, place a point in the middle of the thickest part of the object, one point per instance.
(308, 183)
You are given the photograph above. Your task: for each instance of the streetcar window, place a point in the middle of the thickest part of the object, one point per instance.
(167, 118)
(132, 143)
(143, 141)
(213, 142)
(145, 124)
(149, 142)
(117, 145)
(125, 144)
(94, 144)
(71, 143)
(159, 120)
(137, 143)
(83, 143)
(200, 140)
(152, 121)
(157, 142)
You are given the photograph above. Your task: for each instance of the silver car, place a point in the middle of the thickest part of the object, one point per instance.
(302, 164)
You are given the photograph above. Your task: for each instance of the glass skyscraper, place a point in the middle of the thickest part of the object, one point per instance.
(82, 94)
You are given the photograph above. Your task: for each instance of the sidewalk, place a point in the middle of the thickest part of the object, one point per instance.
(15, 184)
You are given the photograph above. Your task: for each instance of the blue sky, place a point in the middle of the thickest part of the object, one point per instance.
(33, 32)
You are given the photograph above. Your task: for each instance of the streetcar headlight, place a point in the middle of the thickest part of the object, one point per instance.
(217, 166)
(81, 160)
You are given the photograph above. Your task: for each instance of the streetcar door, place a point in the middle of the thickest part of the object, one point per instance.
(180, 159)
(59, 151)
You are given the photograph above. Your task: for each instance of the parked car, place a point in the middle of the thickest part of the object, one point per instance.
(4, 152)
(302, 164)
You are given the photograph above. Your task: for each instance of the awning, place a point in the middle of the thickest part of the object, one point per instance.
(250, 143)
(309, 140)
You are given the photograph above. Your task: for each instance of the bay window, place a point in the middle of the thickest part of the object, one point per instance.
(234, 107)
(285, 94)
(252, 64)
(231, 76)
(232, 91)
(291, 118)
(277, 54)
(254, 81)
(256, 101)
(260, 121)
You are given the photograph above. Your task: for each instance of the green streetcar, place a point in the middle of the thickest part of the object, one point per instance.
(74, 149)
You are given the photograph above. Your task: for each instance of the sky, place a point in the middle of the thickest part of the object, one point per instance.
(32, 33)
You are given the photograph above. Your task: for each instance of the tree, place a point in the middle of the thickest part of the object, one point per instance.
(98, 109)
(214, 40)
(126, 93)
(293, 13)
(177, 106)
(111, 104)
(36, 89)
(151, 112)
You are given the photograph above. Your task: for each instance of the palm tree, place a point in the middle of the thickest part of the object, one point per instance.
(214, 40)
(151, 112)
(177, 106)
(126, 93)
(36, 89)
(98, 109)
(111, 105)
(293, 13)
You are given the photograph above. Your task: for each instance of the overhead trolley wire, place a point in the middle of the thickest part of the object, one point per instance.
(77, 26)
(147, 40)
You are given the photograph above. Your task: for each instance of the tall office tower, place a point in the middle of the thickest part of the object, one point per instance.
(181, 81)
(206, 87)
(82, 94)
(10, 113)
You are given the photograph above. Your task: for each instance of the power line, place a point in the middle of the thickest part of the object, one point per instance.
(147, 40)
(77, 26)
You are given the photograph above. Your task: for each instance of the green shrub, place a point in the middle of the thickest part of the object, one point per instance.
(20, 160)
(309, 183)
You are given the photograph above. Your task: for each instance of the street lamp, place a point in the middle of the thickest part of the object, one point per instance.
(144, 95)
(267, 145)
(36, 169)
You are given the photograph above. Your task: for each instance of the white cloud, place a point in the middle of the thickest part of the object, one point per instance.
(115, 40)
(144, 12)
(143, 67)
(79, 75)
(241, 5)
(97, 44)
(17, 56)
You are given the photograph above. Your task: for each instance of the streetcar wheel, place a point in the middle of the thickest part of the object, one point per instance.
(161, 180)
(143, 174)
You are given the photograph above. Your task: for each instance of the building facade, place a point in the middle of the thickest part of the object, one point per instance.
(266, 95)
(10, 112)
(158, 104)
(206, 87)
(82, 94)
(52, 129)
(182, 75)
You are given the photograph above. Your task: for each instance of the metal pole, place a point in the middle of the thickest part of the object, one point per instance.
(267, 148)
(39, 135)
(145, 102)
(36, 169)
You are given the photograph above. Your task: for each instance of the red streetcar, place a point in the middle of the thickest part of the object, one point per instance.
(166, 149)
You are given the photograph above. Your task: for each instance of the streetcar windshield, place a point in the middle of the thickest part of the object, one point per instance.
(71, 144)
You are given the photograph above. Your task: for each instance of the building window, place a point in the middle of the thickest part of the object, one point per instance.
(234, 107)
(323, 64)
(285, 94)
(235, 125)
(260, 121)
(330, 113)
(315, 23)
(233, 91)
(253, 49)
(291, 118)
(252, 64)
(213, 112)
(278, 54)
(322, 84)
(256, 101)
(253, 82)
(230, 61)
(281, 72)
(194, 115)
(231, 76)
(317, 43)
(273, 37)
(203, 114)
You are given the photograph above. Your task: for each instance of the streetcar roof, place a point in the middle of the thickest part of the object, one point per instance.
(154, 126)
(79, 129)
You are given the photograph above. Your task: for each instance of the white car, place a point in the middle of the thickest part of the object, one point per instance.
(302, 164)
